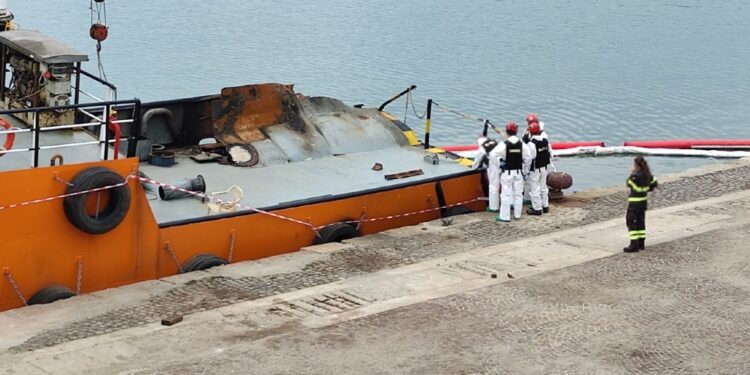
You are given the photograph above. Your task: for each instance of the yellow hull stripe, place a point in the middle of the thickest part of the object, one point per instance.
(412, 138)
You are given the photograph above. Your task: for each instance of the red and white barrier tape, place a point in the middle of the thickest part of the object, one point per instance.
(220, 201)
(63, 196)
(389, 217)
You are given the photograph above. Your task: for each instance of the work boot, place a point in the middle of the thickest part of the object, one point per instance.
(491, 210)
(532, 211)
(545, 209)
(642, 244)
(632, 248)
(501, 220)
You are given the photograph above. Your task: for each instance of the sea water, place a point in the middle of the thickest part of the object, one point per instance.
(611, 70)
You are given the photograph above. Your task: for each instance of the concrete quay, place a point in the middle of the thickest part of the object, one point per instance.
(550, 294)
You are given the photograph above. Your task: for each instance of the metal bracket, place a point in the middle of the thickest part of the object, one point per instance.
(62, 180)
(168, 248)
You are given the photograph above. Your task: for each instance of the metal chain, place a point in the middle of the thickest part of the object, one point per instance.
(413, 108)
(15, 287)
(406, 108)
(169, 249)
(232, 238)
(79, 276)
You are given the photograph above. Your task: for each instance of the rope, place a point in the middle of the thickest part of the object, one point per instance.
(232, 238)
(30, 95)
(79, 276)
(469, 117)
(102, 74)
(457, 113)
(221, 201)
(100, 10)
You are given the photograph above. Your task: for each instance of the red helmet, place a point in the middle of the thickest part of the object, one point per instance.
(534, 128)
(531, 118)
(511, 127)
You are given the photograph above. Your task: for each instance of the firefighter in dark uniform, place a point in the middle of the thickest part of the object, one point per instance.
(640, 182)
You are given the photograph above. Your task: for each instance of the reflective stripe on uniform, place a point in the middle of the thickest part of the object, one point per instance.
(637, 199)
(638, 189)
(636, 234)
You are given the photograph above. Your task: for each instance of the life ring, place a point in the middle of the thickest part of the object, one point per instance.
(9, 138)
(203, 261)
(116, 206)
(336, 233)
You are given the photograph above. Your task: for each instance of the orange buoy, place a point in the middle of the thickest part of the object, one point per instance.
(9, 138)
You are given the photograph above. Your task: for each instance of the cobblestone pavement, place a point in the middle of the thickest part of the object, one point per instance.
(384, 251)
(678, 308)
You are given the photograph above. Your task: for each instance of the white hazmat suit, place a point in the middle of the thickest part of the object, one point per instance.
(493, 172)
(511, 179)
(527, 181)
(537, 178)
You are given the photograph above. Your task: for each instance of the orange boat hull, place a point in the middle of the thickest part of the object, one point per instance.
(39, 247)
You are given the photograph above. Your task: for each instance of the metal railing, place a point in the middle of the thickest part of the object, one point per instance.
(99, 123)
(111, 92)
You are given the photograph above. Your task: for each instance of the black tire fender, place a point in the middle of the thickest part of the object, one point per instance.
(202, 262)
(114, 212)
(457, 210)
(336, 233)
(50, 294)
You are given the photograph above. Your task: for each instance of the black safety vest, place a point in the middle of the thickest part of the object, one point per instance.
(489, 145)
(513, 156)
(542, 153)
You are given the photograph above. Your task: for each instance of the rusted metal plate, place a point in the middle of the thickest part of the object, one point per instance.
(246, 110)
